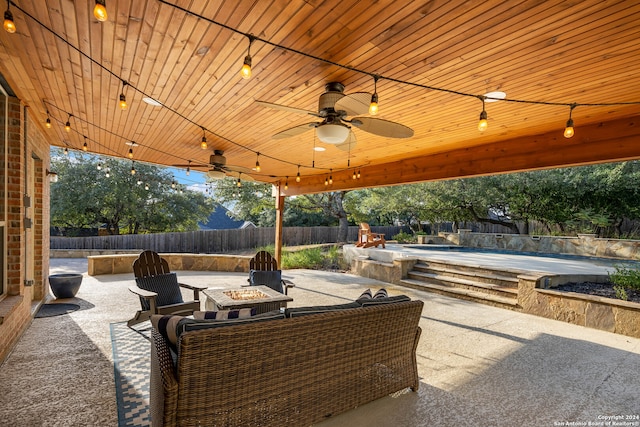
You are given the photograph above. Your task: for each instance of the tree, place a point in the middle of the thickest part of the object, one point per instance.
(85, 196)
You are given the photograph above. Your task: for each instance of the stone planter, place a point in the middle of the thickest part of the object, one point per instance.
(65, 285)
(422, 239)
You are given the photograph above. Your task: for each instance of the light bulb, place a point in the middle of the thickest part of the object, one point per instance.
(188, 171)
(354, 175)
(139, 181)
(130, 154)
(107, 174)
(99, 167)
(373, 107)
(482, 124)
(298, 177)
(330, 179)
(326, 181)
(245, 72)
(48, 123)
(100, 10)
(568, 131)
(9, 25)
(258, 163)
(85, 147)
(146, 186)
(123, 102)
(66, 151)
(358, 176)
(173, 184)
(286, 184)
(133, 170)
(203, 144)
(67, 126)
(239, 183)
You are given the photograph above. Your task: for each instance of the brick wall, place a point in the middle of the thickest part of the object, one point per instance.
(17, 303)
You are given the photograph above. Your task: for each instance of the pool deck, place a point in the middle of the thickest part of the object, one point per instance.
(516, 261)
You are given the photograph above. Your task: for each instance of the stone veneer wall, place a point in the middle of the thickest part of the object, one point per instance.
(583, 244)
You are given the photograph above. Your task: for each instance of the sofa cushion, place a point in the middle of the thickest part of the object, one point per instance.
(303, 311)
(165, 285)
(242, 313)
(386, 300)
(187, 325)
(272, 279)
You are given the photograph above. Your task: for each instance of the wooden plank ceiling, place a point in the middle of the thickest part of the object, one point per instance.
(433, 57)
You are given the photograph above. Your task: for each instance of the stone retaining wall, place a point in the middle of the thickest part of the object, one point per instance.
(123, 263)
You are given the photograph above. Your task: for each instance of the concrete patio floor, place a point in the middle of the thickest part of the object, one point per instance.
(478, 365)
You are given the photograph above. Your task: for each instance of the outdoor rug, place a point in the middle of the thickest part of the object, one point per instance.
(131, 357)
(49, 310)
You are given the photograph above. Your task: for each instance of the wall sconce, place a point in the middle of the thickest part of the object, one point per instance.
(53, 176)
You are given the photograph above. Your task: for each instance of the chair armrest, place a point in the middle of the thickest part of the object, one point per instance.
(142, 293)
(288, 283)
(193, 287)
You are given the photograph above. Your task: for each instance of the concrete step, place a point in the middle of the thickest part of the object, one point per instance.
(464, 283)
(506, 278)
(461, 293)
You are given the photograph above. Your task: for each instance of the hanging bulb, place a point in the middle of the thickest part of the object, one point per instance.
(257, 168)
(331, 178)
(354, 175)
(568, 130)
(146, 186)
(286, 184)
(123, 102)
(107, 173)
(48, 123)
(189, 169)
(130, 154)
(245, 72)
(9, 25)
(358, 176)
(67, 126)
(85, 147)
(139, 182)
(482, 124)
(66, 151)
(239, 183)
(298, 176)
(173, 184)
(373, 107)
(203, 144)
(133, 170)
(326, 181)
(99, 167)
(100, 10)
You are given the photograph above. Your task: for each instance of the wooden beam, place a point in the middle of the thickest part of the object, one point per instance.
(278, 226)
(611, 141)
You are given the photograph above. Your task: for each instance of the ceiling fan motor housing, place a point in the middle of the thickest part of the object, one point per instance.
(217, 158)
(333, 92)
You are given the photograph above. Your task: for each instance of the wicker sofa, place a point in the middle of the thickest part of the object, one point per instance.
(292, 371)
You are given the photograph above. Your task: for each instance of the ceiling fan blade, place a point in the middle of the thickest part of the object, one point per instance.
(354, 104)
(382, 127)
(242, 176)
(349, 144)
(285, 108)
(294, 131)
(231, 168)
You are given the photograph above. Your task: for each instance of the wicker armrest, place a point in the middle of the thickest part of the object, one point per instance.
(164, 383)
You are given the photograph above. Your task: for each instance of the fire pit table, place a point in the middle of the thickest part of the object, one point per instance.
(262, 298)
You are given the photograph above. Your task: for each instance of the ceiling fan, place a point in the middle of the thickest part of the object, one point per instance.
(218, 168)
(334, 106)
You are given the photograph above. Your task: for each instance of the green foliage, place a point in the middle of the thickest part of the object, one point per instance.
(621, 292)
(84, 197)
(625, 277)
(403, 237)
(317, 258)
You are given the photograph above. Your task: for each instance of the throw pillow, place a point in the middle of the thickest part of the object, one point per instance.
(272, 279)
(387, 300)
(365, 294)
(165, 285)
(382, 293)
(166, 326)
(242, 313)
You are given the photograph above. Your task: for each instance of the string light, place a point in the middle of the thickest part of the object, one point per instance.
(358, 175)
(257, 168)
(99, 167)
(326, 181)
(173, 184)
(146, 186)
(100, 10)
(9, 25)
(130, 154)
(139, 181)
(47, 123)
(298, 176)
(67, 126)
(331, 176)
(107, 173)
(482, 123)
(245, 72)
(189, 168)
(568, 130)
(373, 107)
(66, 151)
(238, 183)
(123, 99)
(203, 144)
(286, 183)
(85, 147)
(354, 175)
(133, 168)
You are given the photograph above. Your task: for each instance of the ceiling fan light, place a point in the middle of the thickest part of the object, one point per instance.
(332, 133)
(215, 174)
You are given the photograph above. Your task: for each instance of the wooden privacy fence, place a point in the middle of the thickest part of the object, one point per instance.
(214, 241)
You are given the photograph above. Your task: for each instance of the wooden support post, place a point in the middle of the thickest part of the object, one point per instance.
(278, 226)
